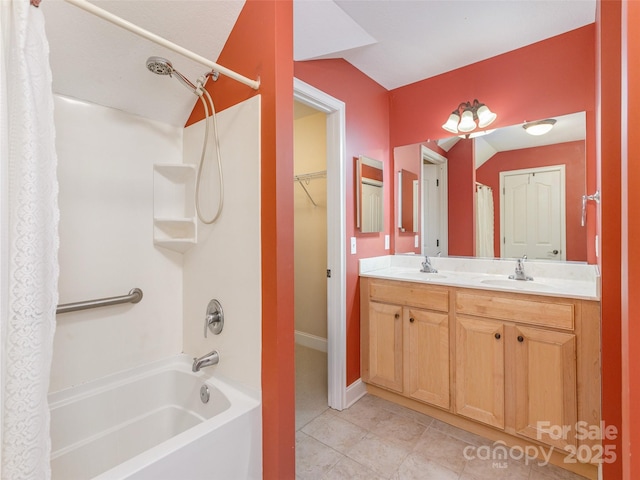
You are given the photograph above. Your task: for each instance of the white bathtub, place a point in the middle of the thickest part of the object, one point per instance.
(150, 423)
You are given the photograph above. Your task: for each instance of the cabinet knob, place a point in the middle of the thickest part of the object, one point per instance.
(520, 338)
(497, 335)
(397, 316)
(412, 319)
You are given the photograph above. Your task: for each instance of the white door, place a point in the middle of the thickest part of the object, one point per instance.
(532, 213)
(372, 197)
(431, 209)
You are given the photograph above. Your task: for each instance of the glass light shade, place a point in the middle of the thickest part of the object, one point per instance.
(466, 122)
(452, 123)
(539, 128)
(485, 116)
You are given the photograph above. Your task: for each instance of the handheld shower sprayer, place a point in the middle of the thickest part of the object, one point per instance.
(162, 66)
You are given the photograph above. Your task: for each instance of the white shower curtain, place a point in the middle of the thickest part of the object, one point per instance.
(484, 222)
(29, 241)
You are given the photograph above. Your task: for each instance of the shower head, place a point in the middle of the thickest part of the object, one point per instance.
(159, 66)
(162, 66)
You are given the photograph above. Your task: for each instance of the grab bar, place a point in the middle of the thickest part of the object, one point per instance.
(134, 296)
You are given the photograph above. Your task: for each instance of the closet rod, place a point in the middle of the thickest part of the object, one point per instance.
(110, 17)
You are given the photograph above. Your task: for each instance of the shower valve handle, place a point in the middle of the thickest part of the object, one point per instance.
(214, 319)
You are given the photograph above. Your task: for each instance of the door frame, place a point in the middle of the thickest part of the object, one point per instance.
(435, 158)
(563, 201)
(336, 233)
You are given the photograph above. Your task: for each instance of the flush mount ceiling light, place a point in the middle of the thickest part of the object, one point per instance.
(463, 119)
(540, 127)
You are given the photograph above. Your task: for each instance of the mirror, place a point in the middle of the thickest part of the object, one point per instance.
(369, 195)
(508, 193)
(408, 201)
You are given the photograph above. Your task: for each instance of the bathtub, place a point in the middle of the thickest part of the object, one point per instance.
(149, 423)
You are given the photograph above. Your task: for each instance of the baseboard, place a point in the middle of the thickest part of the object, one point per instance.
(311, 341)
(355, 392)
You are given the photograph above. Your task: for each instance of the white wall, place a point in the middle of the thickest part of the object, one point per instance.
(105, 172)
(225, 264)
(310, 228)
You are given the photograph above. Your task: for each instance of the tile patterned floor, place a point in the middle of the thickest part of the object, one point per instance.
(376, 439)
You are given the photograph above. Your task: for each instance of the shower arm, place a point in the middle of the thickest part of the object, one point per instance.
(110, 17)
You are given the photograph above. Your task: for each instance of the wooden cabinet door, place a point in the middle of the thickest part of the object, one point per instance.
(480, 370)
(426, 359)
(545, 363)
(385, 345)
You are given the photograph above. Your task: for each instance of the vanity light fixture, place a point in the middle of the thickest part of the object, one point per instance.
(540, 127)
(463, 119)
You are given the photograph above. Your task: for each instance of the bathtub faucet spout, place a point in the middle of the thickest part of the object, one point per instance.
(211, 358)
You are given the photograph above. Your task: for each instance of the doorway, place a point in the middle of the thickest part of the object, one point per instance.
(310, 261)
(335, 251)
(435, 218)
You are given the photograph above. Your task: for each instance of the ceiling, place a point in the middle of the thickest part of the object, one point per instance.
(394, 42)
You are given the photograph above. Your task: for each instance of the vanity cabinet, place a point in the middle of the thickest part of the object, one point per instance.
(529, 368)
(405, 345)
(480, 385)
(385, 346)
(521, 364)
(426, 356)
(545, 383)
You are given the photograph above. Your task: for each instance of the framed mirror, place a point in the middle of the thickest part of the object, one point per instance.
(510, 193)
(369, 195)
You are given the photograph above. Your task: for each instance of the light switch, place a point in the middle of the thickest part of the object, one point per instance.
(386, 242)
(353, 245)
(416, 241)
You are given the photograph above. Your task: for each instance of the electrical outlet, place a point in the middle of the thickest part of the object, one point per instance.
(386, 242)
(353, 245)
(416, 241)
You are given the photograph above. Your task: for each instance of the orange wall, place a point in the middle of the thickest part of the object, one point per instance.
(545, 79)
(261, 45)
(367, 130)
(608, 91)
(570, 154)
(630, 252)
(462, 226)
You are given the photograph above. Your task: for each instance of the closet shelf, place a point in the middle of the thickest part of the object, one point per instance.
(307, 177)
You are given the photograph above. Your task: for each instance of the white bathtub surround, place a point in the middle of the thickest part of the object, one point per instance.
(105, 170)
(225, 263)
(561, 279)
(149, 423)
(29, 241)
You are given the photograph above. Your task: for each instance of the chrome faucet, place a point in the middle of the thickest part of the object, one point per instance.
(520, 273)
(211, 358)
(427, 267)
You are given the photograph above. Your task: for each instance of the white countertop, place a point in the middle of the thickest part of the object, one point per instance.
(557, 279)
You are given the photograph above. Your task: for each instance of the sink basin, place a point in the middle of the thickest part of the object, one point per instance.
(520, 284)
(432, 275)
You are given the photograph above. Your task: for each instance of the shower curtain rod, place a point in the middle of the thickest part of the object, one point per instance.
(110, 17)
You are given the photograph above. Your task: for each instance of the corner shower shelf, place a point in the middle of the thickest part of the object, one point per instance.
(174, 222)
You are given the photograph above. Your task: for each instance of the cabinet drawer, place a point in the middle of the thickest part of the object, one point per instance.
(544, 313)
(413, 294)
